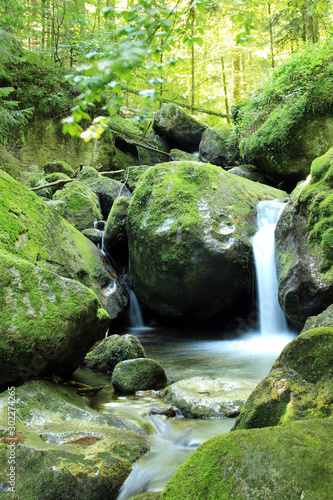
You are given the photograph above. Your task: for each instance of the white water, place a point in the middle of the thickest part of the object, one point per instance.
(135, 315)
(271, 317)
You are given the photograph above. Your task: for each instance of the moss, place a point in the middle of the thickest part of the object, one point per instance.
(58, 166)
(275, 463)
(299, 385)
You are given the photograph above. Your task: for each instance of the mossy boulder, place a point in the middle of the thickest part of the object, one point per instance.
(134, 175)
(111, 351)
(218, 145)
(189, 227)
(323, 319)
(304, 250)
(139, 374)
(58, 166)
(179, 155)
(64, 449)
(115, 237)
(179, 127)
(249, 172)
(30, 230)
(94, 235)
(150, 157)
(299, 385)
(47, 323)
(82, 204)
(107, 190)
(288, 462)
(9, 163)
(205, 397)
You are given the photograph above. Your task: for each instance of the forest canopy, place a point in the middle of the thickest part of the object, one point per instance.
(115, 55)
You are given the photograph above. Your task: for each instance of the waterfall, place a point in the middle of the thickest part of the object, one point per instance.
(271, 317)
(135, 315)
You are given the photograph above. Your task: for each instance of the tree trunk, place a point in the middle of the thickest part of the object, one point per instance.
(236, 64)
(271, 35)
(225, 89)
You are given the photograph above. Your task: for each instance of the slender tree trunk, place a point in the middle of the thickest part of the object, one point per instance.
(192, 77)
(271, 34)
(236, 64)
(225, 88)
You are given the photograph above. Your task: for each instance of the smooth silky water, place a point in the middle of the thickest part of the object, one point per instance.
(185, 354)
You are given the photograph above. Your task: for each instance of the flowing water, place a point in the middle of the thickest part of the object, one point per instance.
(248, 356)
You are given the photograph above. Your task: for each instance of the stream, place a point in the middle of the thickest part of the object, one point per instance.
(239, 355)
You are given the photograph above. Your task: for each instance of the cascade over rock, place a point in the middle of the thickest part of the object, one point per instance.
(304, 238)
(189, 228)
(182, 129)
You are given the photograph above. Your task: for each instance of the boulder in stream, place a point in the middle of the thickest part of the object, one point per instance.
(218, 145)
(182, 129)
(323, 319)
(299, 385)
(304, 245)
(139, 374)
(63, 448)
(285, 462)
(112, 350)
(205, 397)
(189, 227)
(115, 237)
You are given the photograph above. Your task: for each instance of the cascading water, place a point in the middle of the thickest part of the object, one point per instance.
(135, 314)
(271, 317)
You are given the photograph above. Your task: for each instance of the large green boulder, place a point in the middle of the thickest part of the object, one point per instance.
(58, 166)
(299, 385)
(304, 244)
(115, 237)
(182, 129)
(189, 228)
(289, 462)
(323, 319)
(47, 323)
(63, 448)
(111, 351)
(82, 204)
(140, 374)
(218, 145)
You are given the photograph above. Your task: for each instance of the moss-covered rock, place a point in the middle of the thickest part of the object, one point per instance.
(323, 319)
(204, 397)
(150, 157)
(288, 462)
(115, 237)
(111, 351)
(299, 385)
(189, 227)
(32, 231)
(47, 323)
(288, 122)
(64, 449)
(134, 175)
(9, 163)
(94, 235)
(182, 129)
(82, 204)
(179, 155)
(139, 374)
(250, 172)
(304, 249)
(58, 166)
(106, 189)
(218, 145)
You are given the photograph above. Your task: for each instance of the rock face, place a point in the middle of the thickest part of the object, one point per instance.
(323, 319)
(218, 145)
(183, 130)
(140, 374)
(189, 227)
(304, 237)
(36, 242)
(107, 190)
(58, 166)
(149, 157)
(275, 463)
(299, 385)
(64, 449)
(115, 238)
(250, 172)
(204, 397)
(112, 351)
(47, 322)
(82, 205)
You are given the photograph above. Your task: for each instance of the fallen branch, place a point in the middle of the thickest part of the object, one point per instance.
(55, 183)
